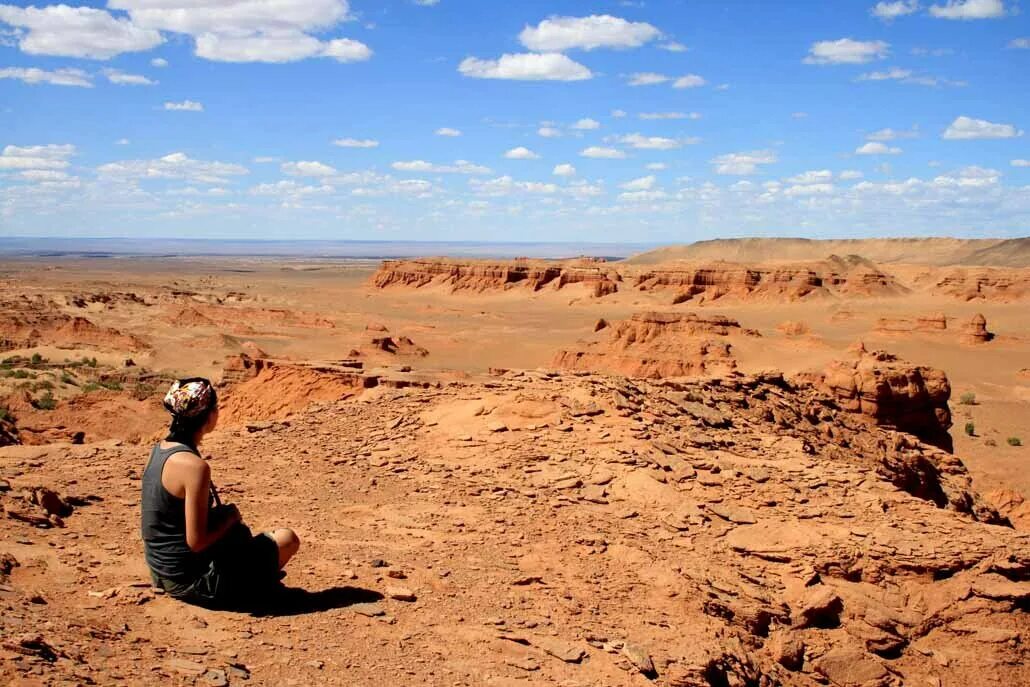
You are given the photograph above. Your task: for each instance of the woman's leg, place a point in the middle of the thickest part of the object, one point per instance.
(288, 543)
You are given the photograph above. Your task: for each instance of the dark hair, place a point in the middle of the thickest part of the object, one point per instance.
(183, 430)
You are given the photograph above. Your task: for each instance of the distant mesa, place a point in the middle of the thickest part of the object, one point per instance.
(484, 275)
(707, 282)
(912, 251)
(657, 345)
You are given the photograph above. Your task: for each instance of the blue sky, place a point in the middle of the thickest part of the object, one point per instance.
(475, 120)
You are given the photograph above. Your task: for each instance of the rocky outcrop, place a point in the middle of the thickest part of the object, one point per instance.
(484, 275)
(981, 283)
(934, 322)
(975, 332)
(29, 322)
(712, 281)
(893, 393)
(656, 345)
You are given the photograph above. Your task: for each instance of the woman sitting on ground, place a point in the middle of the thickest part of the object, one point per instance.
(198, 550)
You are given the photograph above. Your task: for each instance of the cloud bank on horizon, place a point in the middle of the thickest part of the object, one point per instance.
(464, 120)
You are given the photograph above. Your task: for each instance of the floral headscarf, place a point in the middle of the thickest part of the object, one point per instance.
(189, 397)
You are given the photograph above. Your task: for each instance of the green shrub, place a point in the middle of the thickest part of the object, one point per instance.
(20, 374)
(970, 429)
(68, 379)
(45, 402)
(37, 359)
(90, 387)
(967, 399)
(45, 384)
(111, 384)
(1014, 441)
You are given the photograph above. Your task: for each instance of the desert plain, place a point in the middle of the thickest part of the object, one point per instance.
(752, 462)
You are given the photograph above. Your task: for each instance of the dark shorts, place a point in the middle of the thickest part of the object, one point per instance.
(236, 576)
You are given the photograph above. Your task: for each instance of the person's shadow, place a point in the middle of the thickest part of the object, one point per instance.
(287, 601)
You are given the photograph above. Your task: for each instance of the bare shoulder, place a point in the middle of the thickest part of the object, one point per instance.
(185, 468)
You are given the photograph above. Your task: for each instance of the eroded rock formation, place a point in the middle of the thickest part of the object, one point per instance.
(893, 393)
(656, 345)
(484, 275)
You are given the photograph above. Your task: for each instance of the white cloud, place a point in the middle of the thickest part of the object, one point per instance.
(969, 9)
(502, 186)
(587, 124)
(641, 184)
(84, 32)
(1020, 43)
(558, 34)
(808, 190)
(307, 168)
(1020, 163)
(618, 114)
(669, 115)
(59, 77)
(642, 196)
(892, 10)
(251, 30)
(689, 81)
(50, 157)
(459, 167)
(600, 152)
(743, 164)
(876, 148)
(185, 106)
(526, 67)
(356, 143)
(657, 166)
(173, 166)
(43, 175)
(564, 170)
(965, 128)
(814, 176)
(655, 142)
(548, 132)
(673, 46)
(279, 47)
(846, 51)
(889, 134)
(447, 131)
(849, 174)
(122, 142)
(159, 62)
(521, 153)
(122, 79)
(906, 76)
(646, 79)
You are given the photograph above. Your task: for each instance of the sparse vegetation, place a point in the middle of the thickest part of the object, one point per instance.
(45, 384)
(111, 384)
(90, 387)
(968, 399)
(19, 374)
(1014, 441)
(5, 414)
(142, 392)
(37, 359)
(45, 402)
(68, 379)
(970, 429)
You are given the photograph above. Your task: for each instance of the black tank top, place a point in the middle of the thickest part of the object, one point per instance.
(164, 524)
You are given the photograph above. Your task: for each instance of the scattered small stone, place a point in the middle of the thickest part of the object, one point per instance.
(565, 651)
(640, 659)
(369, 610)
(215, 678)
(528, 580)
(184, 666)
(379, 563)
(396, 574)
(400, 593)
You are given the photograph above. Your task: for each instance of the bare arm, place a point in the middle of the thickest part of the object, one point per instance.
(198, 485)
